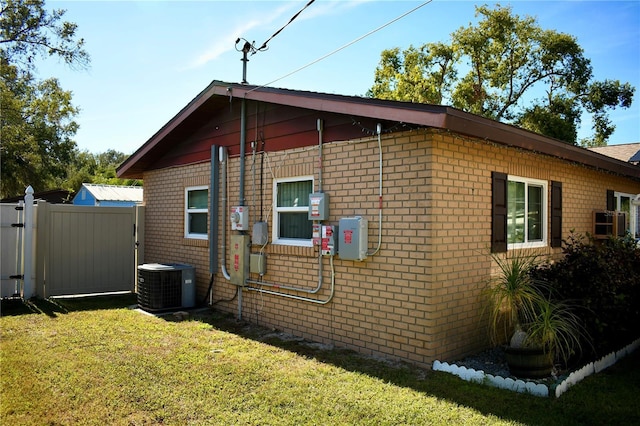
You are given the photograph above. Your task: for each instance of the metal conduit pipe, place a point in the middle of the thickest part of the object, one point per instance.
(243, 142)
(286, 287)
(293, 296)
(320, 267)
(320, 128)
(379, 131)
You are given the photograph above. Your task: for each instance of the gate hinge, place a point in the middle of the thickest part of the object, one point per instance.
(17, 225)
(16, 277)
(19, 208)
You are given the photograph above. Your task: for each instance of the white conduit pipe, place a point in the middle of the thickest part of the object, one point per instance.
(379, 131)
(287, 287)
(320, 269)
(293, 296)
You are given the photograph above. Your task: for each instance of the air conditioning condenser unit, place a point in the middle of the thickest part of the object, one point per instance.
(165, 286)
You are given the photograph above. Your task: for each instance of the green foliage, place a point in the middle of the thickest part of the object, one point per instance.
(603, 277)
(512, 294)
(521, 300)
(37, 116)
(556, 327)
(96, 168)
(37, 127)
(28, 31)
(506, 58)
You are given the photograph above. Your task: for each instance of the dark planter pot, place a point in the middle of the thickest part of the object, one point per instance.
(531, 363)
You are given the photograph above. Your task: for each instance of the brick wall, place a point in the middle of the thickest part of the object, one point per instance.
(419, 298)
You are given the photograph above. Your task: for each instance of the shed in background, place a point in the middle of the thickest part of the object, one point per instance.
(108, 195)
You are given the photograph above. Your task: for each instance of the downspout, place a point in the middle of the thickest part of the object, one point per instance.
(213, 220)
(223, 254)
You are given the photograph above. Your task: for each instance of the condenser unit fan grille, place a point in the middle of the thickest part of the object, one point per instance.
(159, 289)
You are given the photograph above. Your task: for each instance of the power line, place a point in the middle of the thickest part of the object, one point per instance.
(343, 47)
(264, 45)
(250, 47)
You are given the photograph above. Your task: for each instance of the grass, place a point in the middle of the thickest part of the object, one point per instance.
(93, 361)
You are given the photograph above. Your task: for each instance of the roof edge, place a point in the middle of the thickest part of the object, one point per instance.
(436, 116)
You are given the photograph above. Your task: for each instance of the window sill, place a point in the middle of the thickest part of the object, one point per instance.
(298, 250)
(195, 242)
(293, 243)
(521, 246)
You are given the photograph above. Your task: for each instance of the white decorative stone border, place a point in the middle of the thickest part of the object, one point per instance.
(537, 389)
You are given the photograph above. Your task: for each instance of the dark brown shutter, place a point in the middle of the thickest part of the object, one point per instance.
(556, 214)
(621, 226)
(611, 199)
(498, 212)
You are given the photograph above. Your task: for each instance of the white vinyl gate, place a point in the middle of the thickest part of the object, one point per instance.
(12, 249)
(76, 250)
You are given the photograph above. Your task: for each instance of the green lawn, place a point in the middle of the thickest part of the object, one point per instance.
(93, 361)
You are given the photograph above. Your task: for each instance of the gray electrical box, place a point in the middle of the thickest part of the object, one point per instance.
(239, 259)
(258, 263)
(353, 238)
(318, 206)
(260, 234)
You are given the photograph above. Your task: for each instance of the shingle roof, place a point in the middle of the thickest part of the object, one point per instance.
(629, 152)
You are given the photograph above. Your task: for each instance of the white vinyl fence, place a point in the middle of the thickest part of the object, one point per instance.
(12, 238)
(74, 249)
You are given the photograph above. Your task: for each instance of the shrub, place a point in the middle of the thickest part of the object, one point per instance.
(603, 277)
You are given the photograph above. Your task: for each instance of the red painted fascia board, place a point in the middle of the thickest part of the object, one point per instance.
(435, 116)
(191, 107)
(428, 115)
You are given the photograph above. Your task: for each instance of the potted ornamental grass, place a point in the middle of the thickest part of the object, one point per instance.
(536, 329)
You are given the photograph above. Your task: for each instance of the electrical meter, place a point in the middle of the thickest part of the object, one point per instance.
(239, 218)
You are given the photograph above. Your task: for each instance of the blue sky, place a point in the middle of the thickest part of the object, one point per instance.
(150, 58)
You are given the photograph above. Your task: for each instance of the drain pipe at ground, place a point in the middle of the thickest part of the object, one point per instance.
(213, 231)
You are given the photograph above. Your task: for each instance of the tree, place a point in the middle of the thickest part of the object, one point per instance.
(96, 168)
(26, 31)
(36, 117)
(516, 72)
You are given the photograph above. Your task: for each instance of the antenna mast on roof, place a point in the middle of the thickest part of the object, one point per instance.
(246, 49)
(250, 47)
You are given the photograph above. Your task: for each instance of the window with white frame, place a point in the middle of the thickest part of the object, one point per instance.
(196, 212)
(291, 224)
(623, 204)
(526, 212)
